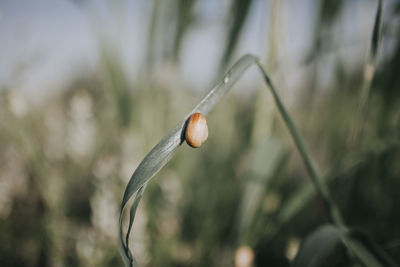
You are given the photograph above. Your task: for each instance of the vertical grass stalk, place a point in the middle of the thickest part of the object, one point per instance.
(308, 162)
(368, 76)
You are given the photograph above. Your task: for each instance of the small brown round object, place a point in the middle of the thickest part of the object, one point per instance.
(196, 130)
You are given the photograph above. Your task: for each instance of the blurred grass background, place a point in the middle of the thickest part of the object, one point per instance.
(67, 152)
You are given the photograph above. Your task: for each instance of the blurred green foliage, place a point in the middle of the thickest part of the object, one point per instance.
(64, 165)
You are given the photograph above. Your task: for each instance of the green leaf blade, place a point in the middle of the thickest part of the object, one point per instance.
(317, 245)
(161, 154)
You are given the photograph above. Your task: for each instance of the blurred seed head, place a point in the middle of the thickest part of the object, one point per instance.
(244, 257)
(183, 252)
(104, 166)
(292, 248)
(271, 203)
(130, 141)
(18, 103)
(104, 210)
(81, 106)
(81, 128)
(54, 124)
(13, 179)
(369, 72)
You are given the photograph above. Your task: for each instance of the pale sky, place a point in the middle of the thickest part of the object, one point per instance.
(43, 43)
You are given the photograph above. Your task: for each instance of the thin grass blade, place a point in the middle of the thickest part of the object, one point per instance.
(376, 32)
(369, 73)
(367, 252)
(239, 12)
(319, 184)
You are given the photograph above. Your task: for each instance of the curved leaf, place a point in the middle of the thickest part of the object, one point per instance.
(163, 151)
(320, 242)
(317, 245)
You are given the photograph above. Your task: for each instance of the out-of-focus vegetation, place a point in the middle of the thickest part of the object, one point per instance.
(65, 162)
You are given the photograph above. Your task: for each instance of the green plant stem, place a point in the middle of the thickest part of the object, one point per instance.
(369, 73)
(315, 177)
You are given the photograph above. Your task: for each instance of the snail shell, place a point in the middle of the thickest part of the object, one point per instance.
(196, 130)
